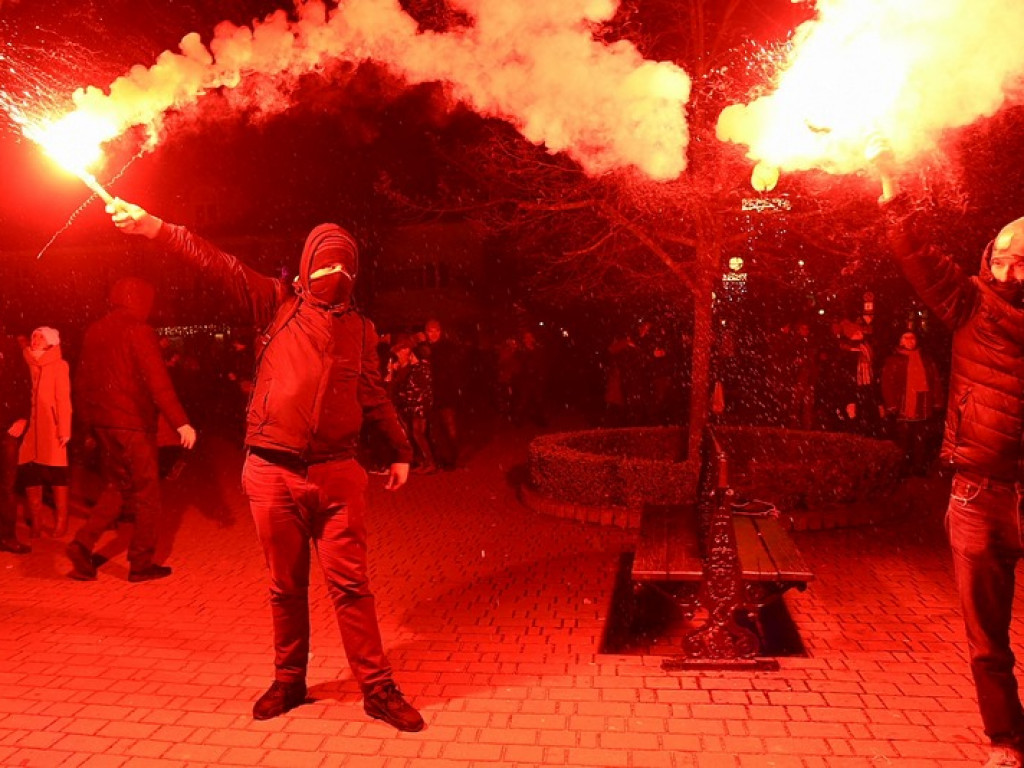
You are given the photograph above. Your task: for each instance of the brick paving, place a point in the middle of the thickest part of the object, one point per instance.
(493, 616)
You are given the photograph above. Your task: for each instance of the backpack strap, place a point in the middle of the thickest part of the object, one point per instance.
(281, 318)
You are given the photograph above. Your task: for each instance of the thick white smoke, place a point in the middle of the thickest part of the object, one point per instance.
(903, 69)
(535, 64)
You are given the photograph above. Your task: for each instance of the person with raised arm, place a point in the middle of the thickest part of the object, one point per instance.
(983, 441)
(317, 379)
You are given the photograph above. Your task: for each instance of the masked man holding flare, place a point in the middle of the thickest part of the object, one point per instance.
(317, 379)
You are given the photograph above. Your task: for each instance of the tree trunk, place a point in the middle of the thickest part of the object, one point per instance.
(709, 252)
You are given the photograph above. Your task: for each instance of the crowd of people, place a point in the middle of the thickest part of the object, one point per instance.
(643, 378)
(837, 377)
(122, 392)
(805, 375)
(812, 377)
(436, 380)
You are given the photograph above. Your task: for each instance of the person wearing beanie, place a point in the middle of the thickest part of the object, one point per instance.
(912, 394)
(43, 455)
(122, 388)
(983, 443)
(317, 380)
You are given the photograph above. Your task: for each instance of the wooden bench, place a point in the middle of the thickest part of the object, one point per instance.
(706, 555)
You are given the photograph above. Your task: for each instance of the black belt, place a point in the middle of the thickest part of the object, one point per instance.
(281, 458)
(984, 482)
(293, 460)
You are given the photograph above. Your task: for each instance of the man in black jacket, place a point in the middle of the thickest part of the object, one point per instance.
(15, 402)
(121, 388)
(317, 379)
(982, 443)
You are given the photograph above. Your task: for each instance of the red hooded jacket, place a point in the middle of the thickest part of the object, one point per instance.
(317, 374)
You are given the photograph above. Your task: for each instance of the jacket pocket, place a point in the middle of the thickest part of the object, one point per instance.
(962, 405)
(259, 404)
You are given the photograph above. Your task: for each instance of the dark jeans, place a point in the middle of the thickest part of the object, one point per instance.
(444, 435)
(128, 464)
(984, 526)
(8, 473)
(912, 437)
(324, 503)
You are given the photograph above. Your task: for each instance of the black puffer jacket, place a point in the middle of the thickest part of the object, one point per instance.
(317, 374)
(985, 416)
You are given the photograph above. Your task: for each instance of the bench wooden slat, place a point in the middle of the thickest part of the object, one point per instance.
(755, 561)
(787, 558)
(668, 549)
(684, 560)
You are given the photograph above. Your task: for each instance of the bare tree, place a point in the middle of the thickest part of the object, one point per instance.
(621, 234)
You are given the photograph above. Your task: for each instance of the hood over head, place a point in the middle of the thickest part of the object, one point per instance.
(331, 250)
(134, 295)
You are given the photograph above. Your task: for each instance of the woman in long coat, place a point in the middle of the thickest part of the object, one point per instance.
(43, 456)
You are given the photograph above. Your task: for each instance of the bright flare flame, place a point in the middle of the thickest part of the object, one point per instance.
(903, 69)
(75, 141)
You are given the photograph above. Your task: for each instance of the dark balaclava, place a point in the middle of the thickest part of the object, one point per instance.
(332, 249)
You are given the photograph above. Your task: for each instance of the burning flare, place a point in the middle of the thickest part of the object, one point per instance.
(535, 64)
(903, 69)
(75, 143)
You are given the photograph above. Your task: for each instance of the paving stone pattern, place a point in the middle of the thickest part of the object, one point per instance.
(493, 618)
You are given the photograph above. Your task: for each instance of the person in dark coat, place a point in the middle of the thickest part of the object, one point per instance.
(317, 378)
(530, 385)
(447, 365)
(982, 443)
(912, 394)
(15, 405)
(121, 389)
(414, 397)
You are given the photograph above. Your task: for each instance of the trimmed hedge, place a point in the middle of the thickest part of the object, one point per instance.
(798, 469)
(792, 468)
(612, 467)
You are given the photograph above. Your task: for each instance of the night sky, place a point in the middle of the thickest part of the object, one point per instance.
(349, 128)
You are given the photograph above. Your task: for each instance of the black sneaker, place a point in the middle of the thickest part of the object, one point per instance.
(278, 699)
(14, 546)
(81, 561)
(387, 703)
(149, 573)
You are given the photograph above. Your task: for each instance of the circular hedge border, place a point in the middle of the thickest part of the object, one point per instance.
(612, 467)
(608, 475)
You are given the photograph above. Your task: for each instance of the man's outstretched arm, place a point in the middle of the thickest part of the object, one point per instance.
(255, 294)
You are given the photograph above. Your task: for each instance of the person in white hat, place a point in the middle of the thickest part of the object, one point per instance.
(43, 455)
